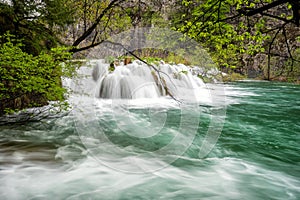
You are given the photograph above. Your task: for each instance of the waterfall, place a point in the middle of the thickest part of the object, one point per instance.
(138, 80)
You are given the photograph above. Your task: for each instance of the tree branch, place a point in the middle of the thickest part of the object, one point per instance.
(255, 11)
(74, 50)
(288, 48)
(269, 51)
(89, 31)
(276, 17)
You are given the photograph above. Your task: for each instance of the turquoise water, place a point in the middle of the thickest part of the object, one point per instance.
(106, 154)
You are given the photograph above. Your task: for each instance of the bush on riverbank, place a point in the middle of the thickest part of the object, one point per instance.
(30, 81)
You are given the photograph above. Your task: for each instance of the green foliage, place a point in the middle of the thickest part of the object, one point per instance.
(233, 77)
(225, 40)
(29, 81)
(291, 69)
(110, 59)
(173, 58)
(151, 55)
(153, 60)
(37, 23)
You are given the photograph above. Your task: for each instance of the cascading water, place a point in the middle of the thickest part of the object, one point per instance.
(128, 82)
(138, 80)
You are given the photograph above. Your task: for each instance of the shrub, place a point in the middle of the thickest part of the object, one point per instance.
(30, 81)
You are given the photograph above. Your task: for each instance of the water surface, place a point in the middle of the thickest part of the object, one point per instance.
(256, 157)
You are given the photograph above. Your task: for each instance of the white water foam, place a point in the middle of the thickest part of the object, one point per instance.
(138, 80)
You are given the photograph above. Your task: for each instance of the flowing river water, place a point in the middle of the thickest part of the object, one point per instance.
(256, 155)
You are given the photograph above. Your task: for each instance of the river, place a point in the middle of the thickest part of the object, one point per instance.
(257, 154)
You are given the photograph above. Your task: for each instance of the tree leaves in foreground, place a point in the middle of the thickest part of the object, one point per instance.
(261, 36)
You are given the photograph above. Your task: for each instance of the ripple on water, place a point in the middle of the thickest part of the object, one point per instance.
(257, 155)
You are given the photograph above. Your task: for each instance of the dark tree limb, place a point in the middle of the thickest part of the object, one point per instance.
(276, 17)
(251, 12)
(94, 44)
(269, 51)
(296, 11)
(261, 10)
(89, 31)
(288, 48)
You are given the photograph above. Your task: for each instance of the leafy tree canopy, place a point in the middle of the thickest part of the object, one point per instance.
(37, 23)
(239, 33)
